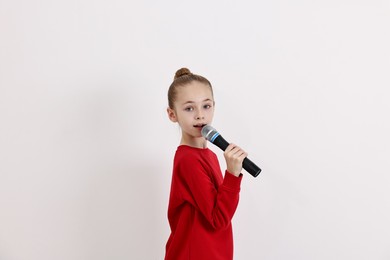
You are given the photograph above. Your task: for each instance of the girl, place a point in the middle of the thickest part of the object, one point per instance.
(202, 201)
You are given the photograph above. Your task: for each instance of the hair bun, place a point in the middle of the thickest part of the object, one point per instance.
(182, 72)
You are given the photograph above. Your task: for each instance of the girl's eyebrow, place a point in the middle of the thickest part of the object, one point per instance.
(191, 102)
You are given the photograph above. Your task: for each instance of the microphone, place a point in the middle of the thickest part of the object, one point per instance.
(213, 136)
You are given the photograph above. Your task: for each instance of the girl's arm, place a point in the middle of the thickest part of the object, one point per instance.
(216, 205)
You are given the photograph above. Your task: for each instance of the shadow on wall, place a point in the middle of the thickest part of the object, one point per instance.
(123, 213)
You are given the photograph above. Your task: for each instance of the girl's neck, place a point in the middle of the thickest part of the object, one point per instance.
(200, 142)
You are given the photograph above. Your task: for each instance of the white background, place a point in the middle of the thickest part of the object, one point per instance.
(86, 147)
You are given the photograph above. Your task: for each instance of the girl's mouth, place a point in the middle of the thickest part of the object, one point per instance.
(199, 125)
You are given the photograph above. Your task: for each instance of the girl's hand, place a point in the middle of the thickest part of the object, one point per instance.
(234, 157)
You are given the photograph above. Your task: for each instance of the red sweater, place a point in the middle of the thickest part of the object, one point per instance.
(201, 205)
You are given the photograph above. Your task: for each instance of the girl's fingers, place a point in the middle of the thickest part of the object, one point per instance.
(235, 151)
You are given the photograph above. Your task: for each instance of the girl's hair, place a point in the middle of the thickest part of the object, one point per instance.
(183, 77)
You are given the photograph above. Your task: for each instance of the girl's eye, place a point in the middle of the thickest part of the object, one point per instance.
(188, 109)
(207, 106)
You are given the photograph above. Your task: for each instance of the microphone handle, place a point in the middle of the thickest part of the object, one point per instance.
(247, 164)
(250, 167)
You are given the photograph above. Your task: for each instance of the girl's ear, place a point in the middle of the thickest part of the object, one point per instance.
(171, 114)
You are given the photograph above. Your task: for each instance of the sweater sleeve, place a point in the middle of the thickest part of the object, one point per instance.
(217, 205)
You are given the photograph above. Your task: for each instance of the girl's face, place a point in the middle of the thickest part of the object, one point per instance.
(193, 109)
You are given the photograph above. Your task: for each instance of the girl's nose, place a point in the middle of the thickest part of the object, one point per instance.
(199, 116)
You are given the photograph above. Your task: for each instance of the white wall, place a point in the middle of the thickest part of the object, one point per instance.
(86, 147)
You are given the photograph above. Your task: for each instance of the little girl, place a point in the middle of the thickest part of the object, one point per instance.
(202, 201)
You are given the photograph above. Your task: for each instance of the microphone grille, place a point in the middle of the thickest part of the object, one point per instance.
(208, 132)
